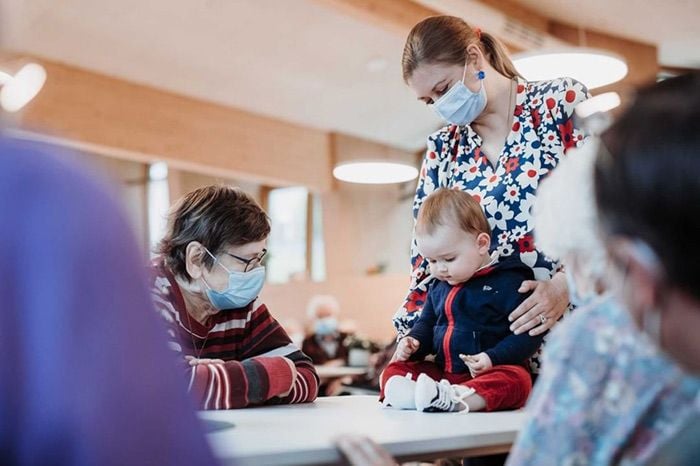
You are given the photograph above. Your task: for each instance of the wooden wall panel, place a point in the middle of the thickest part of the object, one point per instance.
(92, 109)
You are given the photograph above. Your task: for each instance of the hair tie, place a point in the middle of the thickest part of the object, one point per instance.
(477, 31)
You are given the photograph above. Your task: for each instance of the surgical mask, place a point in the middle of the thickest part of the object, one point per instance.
(575, 296)
(243, 288)
(651, 317)
(326, 326)
(459, 105)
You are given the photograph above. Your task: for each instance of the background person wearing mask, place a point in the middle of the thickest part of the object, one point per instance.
(324, 344)
(205, 285)
(86, 377)
(620, 381)
(504, 135)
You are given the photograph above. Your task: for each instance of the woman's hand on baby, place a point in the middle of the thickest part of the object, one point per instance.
(406, 347)
(543, 308)
(477, 363)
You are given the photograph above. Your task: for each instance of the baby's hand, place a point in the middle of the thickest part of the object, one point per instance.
(477, 363)
(406, 347)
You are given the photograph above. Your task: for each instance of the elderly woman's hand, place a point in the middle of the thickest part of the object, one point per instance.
(541, 310)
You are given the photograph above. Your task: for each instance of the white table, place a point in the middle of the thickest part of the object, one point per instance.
(303, 434)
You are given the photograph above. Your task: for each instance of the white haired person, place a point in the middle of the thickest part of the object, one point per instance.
(619, 380)
(324, 344)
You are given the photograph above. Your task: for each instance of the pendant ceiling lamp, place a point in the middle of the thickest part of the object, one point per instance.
(591, 66)
(375, 172)
(365, 162)
(19, 89)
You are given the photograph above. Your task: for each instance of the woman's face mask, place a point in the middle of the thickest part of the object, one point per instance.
(575, 297)
(582, 277)
(459, 105)
(649, 316)
(242, 289)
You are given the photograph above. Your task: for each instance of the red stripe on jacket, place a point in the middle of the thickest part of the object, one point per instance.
(450, 327)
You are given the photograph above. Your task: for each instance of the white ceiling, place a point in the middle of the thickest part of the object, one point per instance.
(295, 60)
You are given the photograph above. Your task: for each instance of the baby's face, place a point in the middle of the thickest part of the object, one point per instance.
(453, 254)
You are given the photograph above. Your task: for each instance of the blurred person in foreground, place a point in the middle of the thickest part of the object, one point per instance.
(620, 381)
(86, 377)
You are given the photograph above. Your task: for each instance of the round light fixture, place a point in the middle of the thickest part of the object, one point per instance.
(593, 67)
(21, 88)
(375, 172)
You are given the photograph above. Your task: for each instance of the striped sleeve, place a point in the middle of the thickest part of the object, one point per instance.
(271, 371)
(261, 365)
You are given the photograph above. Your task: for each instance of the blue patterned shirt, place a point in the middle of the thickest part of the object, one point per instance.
(605, 395)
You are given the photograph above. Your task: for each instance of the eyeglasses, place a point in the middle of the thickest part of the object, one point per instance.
(250, 264)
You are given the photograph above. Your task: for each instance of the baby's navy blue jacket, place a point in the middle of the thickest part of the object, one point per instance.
(472, 317)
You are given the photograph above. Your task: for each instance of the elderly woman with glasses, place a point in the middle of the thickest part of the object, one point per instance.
(205, 285)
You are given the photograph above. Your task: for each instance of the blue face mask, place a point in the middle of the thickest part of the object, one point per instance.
(326, 326)
(459, 105)
(243, 288)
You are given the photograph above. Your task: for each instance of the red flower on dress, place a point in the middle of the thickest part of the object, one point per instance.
(566, 131)
(512, 164)
(526, 244)
(570, 96)
(414, 302)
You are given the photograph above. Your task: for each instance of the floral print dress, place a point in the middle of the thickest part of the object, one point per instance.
(542, 130)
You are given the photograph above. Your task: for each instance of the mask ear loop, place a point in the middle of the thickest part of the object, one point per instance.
(651, 318)
(216, 260)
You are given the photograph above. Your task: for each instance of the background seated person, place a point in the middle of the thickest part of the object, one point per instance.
(325, 342)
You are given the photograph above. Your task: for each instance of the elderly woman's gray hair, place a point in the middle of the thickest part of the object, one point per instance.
(565, 214)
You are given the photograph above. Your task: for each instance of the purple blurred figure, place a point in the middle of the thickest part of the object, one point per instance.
(86, 377)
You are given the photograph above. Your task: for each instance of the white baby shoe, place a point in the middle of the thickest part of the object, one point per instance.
(432, 396)
(399, 392)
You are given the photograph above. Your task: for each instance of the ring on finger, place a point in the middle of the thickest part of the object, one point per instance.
(543, 319)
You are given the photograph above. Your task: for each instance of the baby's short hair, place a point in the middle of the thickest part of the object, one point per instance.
(451, 205)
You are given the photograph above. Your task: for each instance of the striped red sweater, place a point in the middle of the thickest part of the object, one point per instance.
(261, 365)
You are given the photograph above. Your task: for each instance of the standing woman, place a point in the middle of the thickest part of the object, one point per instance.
(503, 135)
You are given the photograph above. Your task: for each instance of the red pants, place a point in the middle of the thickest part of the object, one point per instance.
(503, 387)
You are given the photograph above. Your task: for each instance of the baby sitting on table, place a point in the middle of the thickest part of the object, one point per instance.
(479, 363)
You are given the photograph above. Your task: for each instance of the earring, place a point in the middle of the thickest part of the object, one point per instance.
(481, 74)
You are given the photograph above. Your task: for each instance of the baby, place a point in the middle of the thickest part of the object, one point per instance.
(479, 363)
